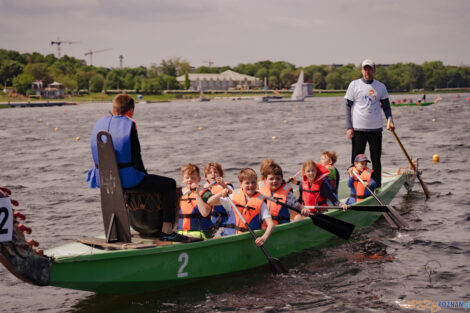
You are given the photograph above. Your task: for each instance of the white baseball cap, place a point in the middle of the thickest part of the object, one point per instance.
(368, 62)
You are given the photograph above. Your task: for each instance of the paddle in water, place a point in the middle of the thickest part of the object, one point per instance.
(392, 216)
(275, 265)
(333, 225)
(423, 185)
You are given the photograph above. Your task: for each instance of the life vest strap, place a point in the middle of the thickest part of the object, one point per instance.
(311, 191)
(280, 218)
(192, 215)
(222, 214)
(245, 207)
(322, 202)
(357, 197)
(242, 229)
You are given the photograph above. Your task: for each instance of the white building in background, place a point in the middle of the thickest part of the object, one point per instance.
(222, 81)
(53, 90)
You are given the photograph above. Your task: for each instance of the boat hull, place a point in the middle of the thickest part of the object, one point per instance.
(78, 266)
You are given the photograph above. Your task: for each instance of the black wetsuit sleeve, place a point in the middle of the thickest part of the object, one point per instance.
(326, 193)
(136, 158)
(349, 104)
(386, 107)
(300, 194)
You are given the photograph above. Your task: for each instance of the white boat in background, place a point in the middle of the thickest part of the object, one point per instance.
(299, 93)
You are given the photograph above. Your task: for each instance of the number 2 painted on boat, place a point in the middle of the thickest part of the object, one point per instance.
(5, 212)
(183, 257)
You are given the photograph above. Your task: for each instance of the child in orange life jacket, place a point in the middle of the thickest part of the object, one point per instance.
(222, 216)
(314, 189)
(252, 205)
(359, 191)
(274, 186)
(196, 205)
(328, 159)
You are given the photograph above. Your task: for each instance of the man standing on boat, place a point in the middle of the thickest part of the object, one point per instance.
(364, 99)
(133, 175)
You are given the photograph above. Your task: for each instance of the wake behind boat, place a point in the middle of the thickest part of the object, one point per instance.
(145, 264)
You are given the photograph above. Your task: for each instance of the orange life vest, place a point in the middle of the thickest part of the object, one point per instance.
(190, 218)
(358, 186)
(311, 192)
(279, 214)
(250, 211)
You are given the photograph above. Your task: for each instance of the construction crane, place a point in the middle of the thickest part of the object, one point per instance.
(59, 42)
(121, 57)
(91, 52)
(210, 62)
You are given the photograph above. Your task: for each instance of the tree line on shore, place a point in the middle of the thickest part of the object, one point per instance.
(20, 70)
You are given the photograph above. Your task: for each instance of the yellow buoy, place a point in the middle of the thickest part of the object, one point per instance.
(200, 128)
(285, 121)
(77, 138)
(274, 138)
(435, 158)
(56, 129)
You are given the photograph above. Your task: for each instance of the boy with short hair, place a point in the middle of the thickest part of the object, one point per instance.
(358, 190)
(274, 186)
(222, 216)
(195, 205)
(252, 205)
(328, 159)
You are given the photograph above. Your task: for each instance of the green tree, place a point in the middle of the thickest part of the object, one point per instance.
(287, 77)
(9, 69)
(112, 81)
(333, 80)
(262, 73)
(96, 83)
(319, 81)
(23, 82)
(128, 82)
(39, 72)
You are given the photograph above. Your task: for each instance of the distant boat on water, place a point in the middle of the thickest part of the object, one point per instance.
(299, 93)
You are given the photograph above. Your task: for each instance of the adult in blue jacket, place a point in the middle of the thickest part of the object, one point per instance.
(133, 175)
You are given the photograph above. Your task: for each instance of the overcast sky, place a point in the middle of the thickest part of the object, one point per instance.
(230, 32)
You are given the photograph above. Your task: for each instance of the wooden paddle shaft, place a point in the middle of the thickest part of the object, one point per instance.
(189, 190)
(425, 188)
(370, 190)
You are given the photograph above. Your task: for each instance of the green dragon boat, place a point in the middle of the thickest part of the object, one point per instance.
(405, 104)
(145, 264)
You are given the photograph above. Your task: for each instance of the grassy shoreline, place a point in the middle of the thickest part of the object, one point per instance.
(100, 97)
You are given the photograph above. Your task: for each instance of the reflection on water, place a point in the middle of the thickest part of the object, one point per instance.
(379, 267)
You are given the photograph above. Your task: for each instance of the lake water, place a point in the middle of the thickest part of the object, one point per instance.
(45, 166)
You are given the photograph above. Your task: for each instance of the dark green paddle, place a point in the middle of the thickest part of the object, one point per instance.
(333, 225)
(275, 265)
(392, 216)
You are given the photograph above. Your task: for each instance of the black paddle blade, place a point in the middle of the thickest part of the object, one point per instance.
(276, 266)
(333, 225)
(369, 208)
